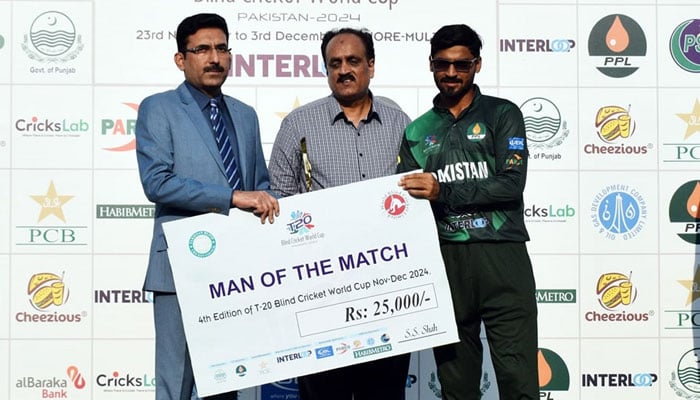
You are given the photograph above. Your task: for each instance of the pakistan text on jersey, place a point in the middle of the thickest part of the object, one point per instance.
(462, 171)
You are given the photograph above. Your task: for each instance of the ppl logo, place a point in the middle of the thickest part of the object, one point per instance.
(394, 204)
(616, 42)
(684, 211)
(685, 45)
(301, 223)
(552, 371)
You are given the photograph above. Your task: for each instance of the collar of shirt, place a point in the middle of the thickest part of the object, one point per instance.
(202, 99)
(337, 112)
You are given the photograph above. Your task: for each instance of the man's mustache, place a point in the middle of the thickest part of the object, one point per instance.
(450, 80)
(214, 68)
(343, 77)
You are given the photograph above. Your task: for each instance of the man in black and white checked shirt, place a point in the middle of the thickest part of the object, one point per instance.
(346, 137)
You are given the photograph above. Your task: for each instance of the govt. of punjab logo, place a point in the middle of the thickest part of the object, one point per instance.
(52, 37)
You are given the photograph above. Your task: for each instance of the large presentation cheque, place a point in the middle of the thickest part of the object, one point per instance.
(344, 276)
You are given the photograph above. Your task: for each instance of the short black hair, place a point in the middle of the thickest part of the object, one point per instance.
(363, 34)
(190, 26)
(456, 35)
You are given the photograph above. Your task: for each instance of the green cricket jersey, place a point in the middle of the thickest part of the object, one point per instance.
(480, 161)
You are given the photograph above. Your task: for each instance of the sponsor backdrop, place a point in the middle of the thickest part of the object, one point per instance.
(611, 98)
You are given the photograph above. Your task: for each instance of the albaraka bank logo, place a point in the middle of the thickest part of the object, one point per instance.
(616, 292)
(48, 294)
(53, 387)
(689, 149)
(118, 134)
(51, 211)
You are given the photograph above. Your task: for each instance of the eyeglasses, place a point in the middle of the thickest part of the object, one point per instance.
(442, 65)
(205, 48)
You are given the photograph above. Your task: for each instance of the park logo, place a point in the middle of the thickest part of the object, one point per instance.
(684, 380)
(202, 244)
(121, 131)
(684, 211)
(616, 41)
(52, 38)
(685, 45)
(395, 205)
(619, 212)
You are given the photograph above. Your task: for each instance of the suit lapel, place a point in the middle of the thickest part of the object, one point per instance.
(203, 126)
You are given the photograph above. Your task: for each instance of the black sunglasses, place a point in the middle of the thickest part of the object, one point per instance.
(441, 65)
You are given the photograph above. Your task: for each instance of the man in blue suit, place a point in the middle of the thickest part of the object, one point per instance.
(195, 156)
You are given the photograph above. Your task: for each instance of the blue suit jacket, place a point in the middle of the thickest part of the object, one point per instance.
(181, 169)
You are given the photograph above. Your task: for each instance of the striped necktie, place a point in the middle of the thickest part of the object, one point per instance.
(224, 144)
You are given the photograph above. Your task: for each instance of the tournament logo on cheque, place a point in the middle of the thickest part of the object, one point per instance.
(395, 205)
(202, 244)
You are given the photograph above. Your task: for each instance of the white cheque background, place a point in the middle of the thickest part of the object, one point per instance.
(71, 205)
(375, 262)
